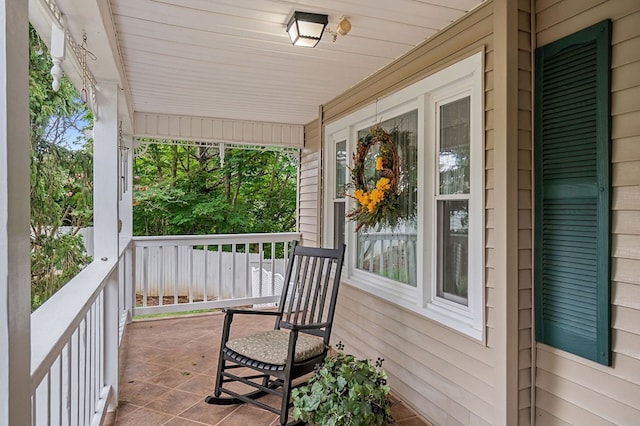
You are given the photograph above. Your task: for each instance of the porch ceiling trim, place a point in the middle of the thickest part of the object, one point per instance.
(216, 130)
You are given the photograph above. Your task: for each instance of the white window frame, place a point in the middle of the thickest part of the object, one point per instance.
(464, 78)
(330, 195)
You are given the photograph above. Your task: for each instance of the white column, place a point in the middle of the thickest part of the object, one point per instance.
(126, 229)
(126, 203)
(105, 173)
(105, 219)
(15, 276)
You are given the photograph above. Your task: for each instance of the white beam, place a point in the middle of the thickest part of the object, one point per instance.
(206, 129)
(15, 312)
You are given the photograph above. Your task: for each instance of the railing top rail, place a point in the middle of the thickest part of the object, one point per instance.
(216, 239)
(53, 323)
(125, 241)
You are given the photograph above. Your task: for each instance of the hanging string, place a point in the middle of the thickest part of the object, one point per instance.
(84, 95)
(376, 110)
(377, 119)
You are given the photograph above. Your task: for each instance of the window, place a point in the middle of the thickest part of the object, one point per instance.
(339, 192)
(452, 197)
(573, 193)
(391, 253)
(432, 262)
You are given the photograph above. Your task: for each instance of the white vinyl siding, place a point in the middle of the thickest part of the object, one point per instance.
(309, 187)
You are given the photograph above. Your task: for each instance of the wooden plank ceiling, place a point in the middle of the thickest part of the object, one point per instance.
(232, 59)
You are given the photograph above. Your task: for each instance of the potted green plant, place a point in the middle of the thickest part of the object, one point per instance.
(344, 391)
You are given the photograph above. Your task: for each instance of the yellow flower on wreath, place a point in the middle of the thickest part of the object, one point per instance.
(379, 165)
(376, 195)
(361, 196)
(370, 200)
(383, 184)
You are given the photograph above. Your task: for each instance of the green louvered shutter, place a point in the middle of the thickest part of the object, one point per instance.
(572, 185)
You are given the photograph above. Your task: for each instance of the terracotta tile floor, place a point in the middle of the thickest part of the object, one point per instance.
(169, 369)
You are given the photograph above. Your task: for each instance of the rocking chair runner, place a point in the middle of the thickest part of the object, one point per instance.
(299, 340)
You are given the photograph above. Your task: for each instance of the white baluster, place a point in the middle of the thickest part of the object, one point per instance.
(57, 54)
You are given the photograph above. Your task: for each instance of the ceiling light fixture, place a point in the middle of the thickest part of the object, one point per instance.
(305, 29)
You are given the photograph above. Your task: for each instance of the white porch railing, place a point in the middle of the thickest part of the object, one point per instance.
(180, 273)
(75, 335)
(69, 334)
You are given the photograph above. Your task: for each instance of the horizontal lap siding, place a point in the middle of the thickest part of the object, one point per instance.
(444, 376)
(309, 187)
(570, 390)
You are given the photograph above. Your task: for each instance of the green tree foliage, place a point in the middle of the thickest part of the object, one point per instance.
(183, 190)
(61, 177)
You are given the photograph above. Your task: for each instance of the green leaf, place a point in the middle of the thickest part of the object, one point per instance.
(344, 391)
(61, 177)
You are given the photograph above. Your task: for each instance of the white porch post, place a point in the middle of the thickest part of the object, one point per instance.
(15, 287)
(126, 232)
(105, 219)
(127, 181)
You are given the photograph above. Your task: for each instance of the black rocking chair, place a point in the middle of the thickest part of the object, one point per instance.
(299, 340)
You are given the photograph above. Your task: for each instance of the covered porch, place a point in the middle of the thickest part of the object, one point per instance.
(66, 363)
(224, 73)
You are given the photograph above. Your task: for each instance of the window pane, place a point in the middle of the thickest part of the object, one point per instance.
(338, 223)
(341, 168)
(388, 252)
(454, 147)
(453, 250)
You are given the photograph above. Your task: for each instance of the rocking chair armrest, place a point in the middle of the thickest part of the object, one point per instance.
(228, 319)
(304, 326)
(231, 311)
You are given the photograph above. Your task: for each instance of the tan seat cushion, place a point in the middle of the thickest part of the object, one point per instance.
(271, 346)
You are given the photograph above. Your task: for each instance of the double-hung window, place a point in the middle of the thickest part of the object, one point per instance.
(452, 200)
(431, 262)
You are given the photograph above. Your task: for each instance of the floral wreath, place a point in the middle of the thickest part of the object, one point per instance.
(379, 204)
